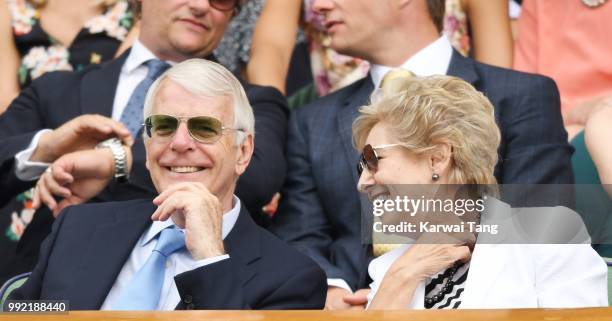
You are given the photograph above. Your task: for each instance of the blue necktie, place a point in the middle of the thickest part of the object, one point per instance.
(132, 114)
(144, 290)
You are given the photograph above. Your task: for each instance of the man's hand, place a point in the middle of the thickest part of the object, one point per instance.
(197, 210)
(76, 177)
(81, 133)
(357, 300)
(342, 299)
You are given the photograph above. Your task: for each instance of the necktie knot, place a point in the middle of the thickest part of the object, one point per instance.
(393, 75)
(156, 68)
(170, 240)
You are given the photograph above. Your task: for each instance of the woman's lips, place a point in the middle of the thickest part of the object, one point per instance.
(194, 23)
(331, 25)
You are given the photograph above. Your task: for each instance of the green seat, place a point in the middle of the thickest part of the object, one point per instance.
(10, 285)
(592, 201)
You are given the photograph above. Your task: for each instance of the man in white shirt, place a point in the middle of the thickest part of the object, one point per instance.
(52, 118)
(192, 247)
(320, 209)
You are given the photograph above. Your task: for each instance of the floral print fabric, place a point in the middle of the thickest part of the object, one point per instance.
(96, 42)
(40, 53)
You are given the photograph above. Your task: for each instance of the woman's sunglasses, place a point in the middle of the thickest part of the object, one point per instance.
(204, 129)
(369, 158)
(225, 5)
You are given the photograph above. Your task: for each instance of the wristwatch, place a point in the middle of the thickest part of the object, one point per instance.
(120, 157)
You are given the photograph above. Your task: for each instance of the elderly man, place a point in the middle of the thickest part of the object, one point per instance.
(53, 117)
(192, 247)
(320, 208)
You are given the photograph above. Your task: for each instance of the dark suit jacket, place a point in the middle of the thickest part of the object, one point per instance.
(90, 243)
(320, 208)
(58, 97)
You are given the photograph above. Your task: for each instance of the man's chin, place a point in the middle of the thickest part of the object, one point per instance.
(192, 48)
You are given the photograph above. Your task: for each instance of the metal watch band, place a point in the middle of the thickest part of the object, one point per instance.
(120, 157)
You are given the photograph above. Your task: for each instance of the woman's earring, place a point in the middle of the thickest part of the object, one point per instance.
(435, 177)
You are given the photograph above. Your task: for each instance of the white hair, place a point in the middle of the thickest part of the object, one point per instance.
(208, 79)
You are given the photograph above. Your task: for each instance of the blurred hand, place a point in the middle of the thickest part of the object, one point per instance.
(357, 300)
(580, 113)
(335, 299)
(199, 212)
(76, 177)
(81, 133)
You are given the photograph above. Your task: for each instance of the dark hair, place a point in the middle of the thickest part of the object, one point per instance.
(436, 10)
(135, 5)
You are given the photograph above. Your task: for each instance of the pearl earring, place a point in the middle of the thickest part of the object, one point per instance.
(435, 177)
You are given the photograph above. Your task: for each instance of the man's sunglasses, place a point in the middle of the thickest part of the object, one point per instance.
(204, 129)
(369, 158)
(225, 5)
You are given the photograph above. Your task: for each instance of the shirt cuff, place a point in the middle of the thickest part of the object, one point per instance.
(340, 283)
(211, 260)
(26, 170)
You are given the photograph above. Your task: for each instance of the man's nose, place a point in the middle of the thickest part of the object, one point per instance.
(320, 6)
(199, 7)
(182, 141)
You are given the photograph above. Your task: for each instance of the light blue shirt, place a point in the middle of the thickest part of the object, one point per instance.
(177, 263)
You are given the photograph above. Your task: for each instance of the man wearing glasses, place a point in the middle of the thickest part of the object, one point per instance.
(53, 118)
(194, 246)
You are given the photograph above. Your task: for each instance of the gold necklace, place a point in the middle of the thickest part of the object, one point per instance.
(593, 3)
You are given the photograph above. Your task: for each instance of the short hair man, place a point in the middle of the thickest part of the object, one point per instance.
(52, 118)
(199, 140)
(320, 208)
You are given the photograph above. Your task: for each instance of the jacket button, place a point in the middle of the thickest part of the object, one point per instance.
(188, 299)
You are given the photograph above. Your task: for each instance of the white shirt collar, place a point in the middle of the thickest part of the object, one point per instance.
(139, 54)
(229, 220)
(431, 60)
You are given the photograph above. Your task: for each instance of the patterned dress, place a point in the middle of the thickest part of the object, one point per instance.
(96, 42)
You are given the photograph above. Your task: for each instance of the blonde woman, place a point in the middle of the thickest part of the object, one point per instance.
(38, 36)
(439, 131)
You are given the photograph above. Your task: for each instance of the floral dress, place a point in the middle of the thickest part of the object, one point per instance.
(96, 42)
(332, 71)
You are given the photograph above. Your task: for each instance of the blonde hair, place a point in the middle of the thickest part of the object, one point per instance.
(424, 112)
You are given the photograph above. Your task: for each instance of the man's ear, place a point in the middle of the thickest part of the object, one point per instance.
(440, 158)
(245, 152)
(146, 153)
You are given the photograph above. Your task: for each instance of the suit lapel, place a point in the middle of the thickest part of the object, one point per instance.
(98, 87)
(463, 68)
(349, 110)
(109, 249)
(244, 244)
